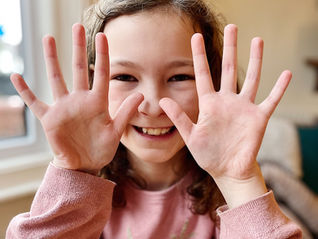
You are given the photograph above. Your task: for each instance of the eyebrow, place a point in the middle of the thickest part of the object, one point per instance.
(179, 63)
(175, 63)
(125, 63)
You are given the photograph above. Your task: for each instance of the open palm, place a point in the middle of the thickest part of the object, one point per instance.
(230, 127)
(78, 127)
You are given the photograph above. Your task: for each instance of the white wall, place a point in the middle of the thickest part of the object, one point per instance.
(64, 19)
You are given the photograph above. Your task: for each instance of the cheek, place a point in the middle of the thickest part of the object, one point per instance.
(115, 99)
(189, 102)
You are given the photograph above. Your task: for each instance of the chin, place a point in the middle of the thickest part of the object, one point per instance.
(151, 156)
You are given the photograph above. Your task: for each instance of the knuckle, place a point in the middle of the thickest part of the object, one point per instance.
(55, 76)
(80, 65)
(228, 67)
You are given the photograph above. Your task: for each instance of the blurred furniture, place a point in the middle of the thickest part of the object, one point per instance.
(12, 121)
(286, 156)
(314, 64)
(309, 150)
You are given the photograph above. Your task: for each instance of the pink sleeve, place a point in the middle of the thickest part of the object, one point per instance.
(259, 218)
(68, 204)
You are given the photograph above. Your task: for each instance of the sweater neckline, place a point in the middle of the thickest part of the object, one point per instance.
(179, 186)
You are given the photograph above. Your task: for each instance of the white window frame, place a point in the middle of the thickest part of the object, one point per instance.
(23, 160)
(19, 145)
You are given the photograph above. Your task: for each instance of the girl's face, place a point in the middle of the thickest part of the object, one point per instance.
(150, 53)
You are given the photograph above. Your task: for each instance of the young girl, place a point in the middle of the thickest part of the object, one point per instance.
(147, 113)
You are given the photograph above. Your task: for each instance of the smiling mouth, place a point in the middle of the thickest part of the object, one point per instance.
(155, 131)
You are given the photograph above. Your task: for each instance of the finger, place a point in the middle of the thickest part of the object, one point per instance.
(101, 70)
(253, 75)
(80, 68)
(178, 117)
(53, 69)
(126, 111)
(270, 103)
(229, 62)
(37, 107)
(202, 73)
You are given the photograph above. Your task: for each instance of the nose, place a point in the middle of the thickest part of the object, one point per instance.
(150, 105)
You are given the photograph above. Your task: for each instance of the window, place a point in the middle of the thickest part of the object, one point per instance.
(12, 111)
(20, 36)
(24, 153)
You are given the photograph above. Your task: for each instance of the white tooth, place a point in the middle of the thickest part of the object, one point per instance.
(164, 131)
(155, 131)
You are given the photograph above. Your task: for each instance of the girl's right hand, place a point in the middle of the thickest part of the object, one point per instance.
(78, 126)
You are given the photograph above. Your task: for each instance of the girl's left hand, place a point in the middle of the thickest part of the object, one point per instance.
(230, 127)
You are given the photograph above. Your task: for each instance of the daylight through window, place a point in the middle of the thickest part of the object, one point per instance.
(12, 109)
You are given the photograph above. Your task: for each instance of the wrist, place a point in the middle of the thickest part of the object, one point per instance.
(57, 164)
(239, 191)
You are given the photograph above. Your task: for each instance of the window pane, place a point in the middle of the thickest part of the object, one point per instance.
(12, 110)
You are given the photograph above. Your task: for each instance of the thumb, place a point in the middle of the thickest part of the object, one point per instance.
(126, 111)
(178, 117)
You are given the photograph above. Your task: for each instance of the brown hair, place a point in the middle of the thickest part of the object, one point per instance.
(203, 190)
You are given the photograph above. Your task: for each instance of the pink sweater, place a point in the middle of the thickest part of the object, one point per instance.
(72, 204)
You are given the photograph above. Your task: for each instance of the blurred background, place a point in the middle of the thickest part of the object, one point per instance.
(289, 154)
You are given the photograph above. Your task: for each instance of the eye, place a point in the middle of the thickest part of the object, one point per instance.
(127, 78)
(181, 78)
